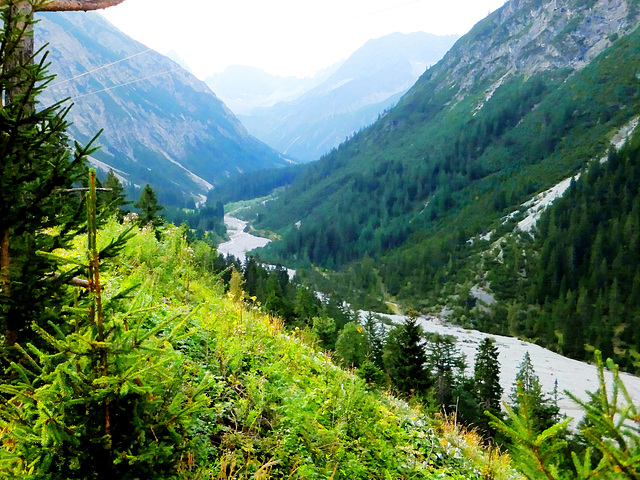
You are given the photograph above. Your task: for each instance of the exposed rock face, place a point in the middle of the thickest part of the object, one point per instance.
(529, 36)
(161, 124)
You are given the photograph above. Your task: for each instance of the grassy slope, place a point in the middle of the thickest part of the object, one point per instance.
(281, 408)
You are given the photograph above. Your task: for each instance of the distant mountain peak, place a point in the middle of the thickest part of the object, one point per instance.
(360, 89)
(525, 37)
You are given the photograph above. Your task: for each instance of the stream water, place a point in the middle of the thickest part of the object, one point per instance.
(240, 241)
(572, 375)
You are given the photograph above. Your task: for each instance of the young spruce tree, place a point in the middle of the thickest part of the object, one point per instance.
(37, 213)
(527, 393)
(486, 376)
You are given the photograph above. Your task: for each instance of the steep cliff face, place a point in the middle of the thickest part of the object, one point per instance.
(161, 124)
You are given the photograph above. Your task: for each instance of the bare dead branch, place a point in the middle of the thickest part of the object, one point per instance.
(75, 281)
(73, 5)
(71, 190)
(77, 5)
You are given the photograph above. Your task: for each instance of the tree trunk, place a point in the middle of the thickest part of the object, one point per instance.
(11, 336)
(21, 11)
(26, 9)
(77, 5)
(5, 262)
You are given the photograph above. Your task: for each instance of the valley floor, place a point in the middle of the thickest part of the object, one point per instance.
(572, 375)
(240, 241)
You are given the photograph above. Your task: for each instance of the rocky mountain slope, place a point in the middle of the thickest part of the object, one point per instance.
(368, 82)
(525, 100)
(526, 37)
(161, 125)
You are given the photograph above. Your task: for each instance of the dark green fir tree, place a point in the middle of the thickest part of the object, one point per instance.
(446, 364)
(405, 358)
(148, 207)
(113, 199)
(375, 336)
(527, 392)
(38, 213)
(486, 374)
(486, 377)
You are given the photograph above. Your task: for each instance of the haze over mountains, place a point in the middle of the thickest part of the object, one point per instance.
(161, 125)
(320, 112)
(165, 127)
(243, 88)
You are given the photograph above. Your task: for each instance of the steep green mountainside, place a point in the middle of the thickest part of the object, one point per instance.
(580, 289)
(525, 100)
(162, 125)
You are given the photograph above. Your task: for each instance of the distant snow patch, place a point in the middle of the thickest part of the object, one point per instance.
(202, 201)
(620, 138)
(482, 295)
(540, 202)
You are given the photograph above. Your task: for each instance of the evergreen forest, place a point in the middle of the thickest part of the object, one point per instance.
(430, 197)
(130, 349)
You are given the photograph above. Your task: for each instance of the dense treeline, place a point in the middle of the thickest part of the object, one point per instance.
(583, 270)
(279, 295)
(208, 219)
(253, 184)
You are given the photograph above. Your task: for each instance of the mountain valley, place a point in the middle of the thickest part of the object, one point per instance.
(529, 97)
(161, 125)
(450, 292)
(351, 97)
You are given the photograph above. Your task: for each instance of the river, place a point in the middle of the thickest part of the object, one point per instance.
(577, 377)
(572, 375)
(240, 242)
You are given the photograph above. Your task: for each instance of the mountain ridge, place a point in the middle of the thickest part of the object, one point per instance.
(161, 125)
(371, 80)
(245, 88)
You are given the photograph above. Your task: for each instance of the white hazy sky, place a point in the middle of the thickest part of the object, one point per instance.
(284, 37)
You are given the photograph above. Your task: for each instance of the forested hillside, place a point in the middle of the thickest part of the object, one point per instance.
(528, 98)
(130, 350)
(580, 290)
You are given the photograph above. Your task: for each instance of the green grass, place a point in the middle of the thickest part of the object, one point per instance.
(280, 407)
